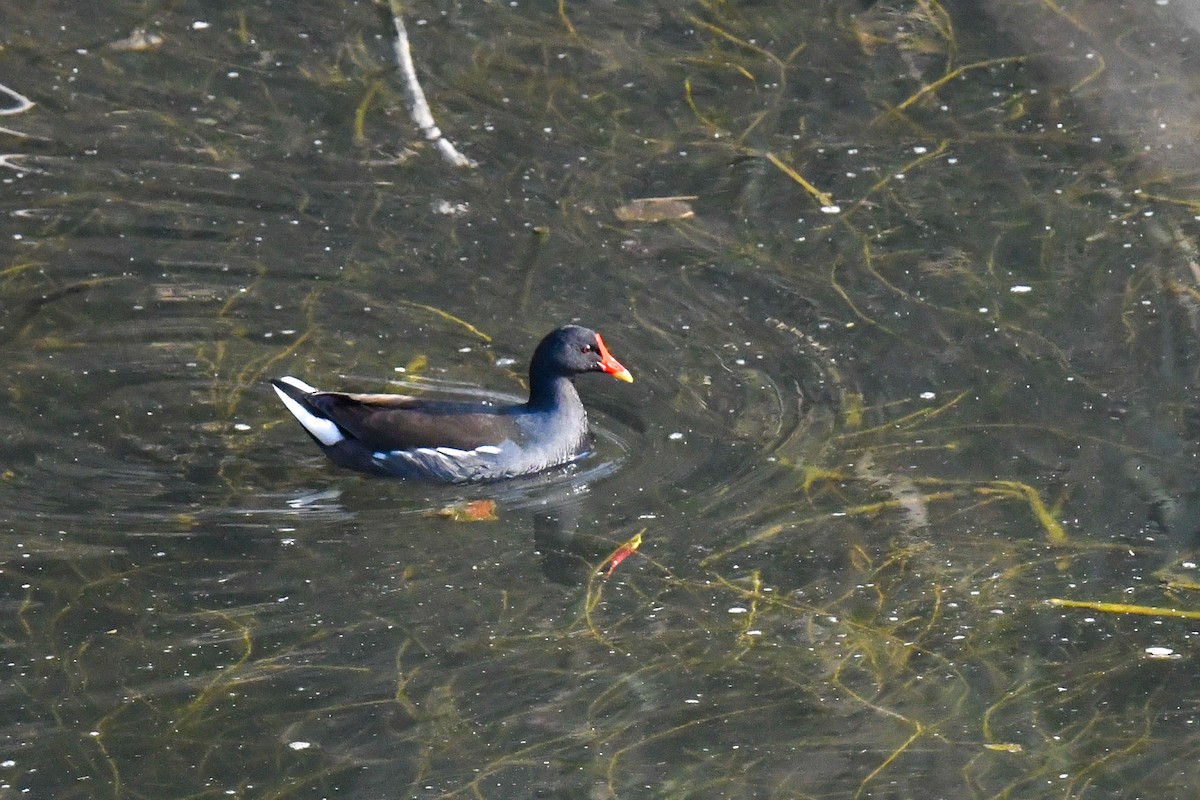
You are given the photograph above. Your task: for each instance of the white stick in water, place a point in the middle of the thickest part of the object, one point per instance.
(418, 107)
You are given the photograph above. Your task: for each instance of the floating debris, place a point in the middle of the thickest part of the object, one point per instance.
(621, 553)
(140, 41)
(657, 209)
(1160, 652)
(472, 511)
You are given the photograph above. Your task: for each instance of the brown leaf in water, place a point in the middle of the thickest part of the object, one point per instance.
(656, 209)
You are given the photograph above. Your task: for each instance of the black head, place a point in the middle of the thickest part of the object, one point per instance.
(571, 351)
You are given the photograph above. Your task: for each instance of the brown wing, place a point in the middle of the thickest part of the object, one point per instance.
(396, 422)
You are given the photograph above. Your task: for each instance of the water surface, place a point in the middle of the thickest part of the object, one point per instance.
(921, 361)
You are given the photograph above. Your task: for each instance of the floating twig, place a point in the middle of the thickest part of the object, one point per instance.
(418, 107)
(566, 21)
(1055, 532)
(823, 198)
(1124, 608)
(446, 315)
(957, 72)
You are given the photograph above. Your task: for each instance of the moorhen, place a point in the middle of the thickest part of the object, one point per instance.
(390, 434)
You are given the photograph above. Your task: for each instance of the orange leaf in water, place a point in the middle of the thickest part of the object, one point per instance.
(621, 553)
(474, 511)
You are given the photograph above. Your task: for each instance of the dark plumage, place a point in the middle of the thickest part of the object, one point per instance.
(389, 434)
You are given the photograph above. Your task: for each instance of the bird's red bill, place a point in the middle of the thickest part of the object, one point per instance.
(609, 364)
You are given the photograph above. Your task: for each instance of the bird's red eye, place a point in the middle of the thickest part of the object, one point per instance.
(587, 348)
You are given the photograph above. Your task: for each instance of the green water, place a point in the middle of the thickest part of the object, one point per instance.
(921, 360)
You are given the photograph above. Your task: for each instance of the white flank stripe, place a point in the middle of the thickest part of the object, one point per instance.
(452, 452)
(488, 449)
(323, 429)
